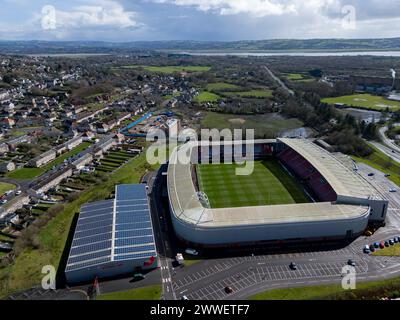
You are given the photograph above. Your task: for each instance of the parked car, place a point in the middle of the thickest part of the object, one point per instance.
(366, 249)
(372, 248)
(371, 174)
(391, 242)
(18, 192)
(387, 244)
(396, 240)
(392, 190)
(293, 266)
(228, 290)
(376, 245)
(387, 175)
(184, 298)
(351, 263)
(139, 276)
(382, 245)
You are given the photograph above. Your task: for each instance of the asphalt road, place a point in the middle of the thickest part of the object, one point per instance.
(279, 81)
(388, 142)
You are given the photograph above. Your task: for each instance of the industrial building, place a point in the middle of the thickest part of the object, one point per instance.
(345, 204)
(113, 237)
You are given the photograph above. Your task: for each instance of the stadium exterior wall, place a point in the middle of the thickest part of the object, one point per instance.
(240, 235)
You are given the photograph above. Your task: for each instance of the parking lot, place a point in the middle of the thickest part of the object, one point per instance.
(268, 273)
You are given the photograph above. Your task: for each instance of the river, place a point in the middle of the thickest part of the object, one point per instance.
(297, 53)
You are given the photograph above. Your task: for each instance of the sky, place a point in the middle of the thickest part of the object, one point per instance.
(202, 20)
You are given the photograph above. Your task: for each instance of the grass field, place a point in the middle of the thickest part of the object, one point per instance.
(269, 184)
(366, 101)
(171, 69)
(363, 291)
(26, 270)
(206, 96)
(298, 77)
(145, 293)
(222, 86)
(382, 162)
(4, 187)
(265, 125)
(30, 173)
(393, 251)
(251, 94)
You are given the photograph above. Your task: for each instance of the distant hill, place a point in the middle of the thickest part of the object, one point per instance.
(53, 47)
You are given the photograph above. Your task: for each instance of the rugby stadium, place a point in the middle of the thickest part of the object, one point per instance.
(297, 192)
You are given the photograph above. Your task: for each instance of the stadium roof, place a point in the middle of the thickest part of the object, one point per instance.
(341, 178)
(187, 206)
(113, 230)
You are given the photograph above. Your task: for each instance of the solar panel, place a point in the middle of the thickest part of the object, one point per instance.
(133, 226)
(86, 233)
(89, 256)
(135, 256)
(133, 241)
(92, 239)
(133, 236)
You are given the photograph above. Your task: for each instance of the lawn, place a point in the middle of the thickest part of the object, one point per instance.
(366, 101)
(382, 162)
(364, 290)
(26, 270)
(269, 184)
(222, 86)
(265, 125)
(4, 187)
(206, 96)
(298, 77)
(145, 293)
(30, 173)
(393, 251)
(251, 94)
(171, 69)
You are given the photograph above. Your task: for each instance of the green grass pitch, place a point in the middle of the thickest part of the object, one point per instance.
(269, 184)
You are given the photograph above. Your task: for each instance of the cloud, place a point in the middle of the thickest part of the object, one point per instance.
(255, 8)
(94, 14)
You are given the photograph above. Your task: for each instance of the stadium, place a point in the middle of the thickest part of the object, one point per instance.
(297, 192)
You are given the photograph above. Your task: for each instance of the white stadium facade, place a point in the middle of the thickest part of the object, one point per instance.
(345, 203)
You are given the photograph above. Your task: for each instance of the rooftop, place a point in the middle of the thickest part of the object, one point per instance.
(113, 230)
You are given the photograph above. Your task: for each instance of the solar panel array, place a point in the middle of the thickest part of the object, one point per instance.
(113, 230)
(134, 238)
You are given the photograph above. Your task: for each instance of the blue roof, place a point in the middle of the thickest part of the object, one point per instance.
(113, 230)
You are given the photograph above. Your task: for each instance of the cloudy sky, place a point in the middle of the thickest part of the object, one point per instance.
(131, 20)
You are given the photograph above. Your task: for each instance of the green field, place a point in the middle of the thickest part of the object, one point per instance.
(265, 125)
(222, 86)
(171, 69)
(366, 101)
(4, 187)
(145, 293)
(373, 290)
(298, 77)
(251, 94)
(30, 173)
(206, 96)
(269, 184)
(393, 251)
(382, 162)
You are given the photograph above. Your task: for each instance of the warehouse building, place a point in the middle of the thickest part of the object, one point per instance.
(113, 237)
